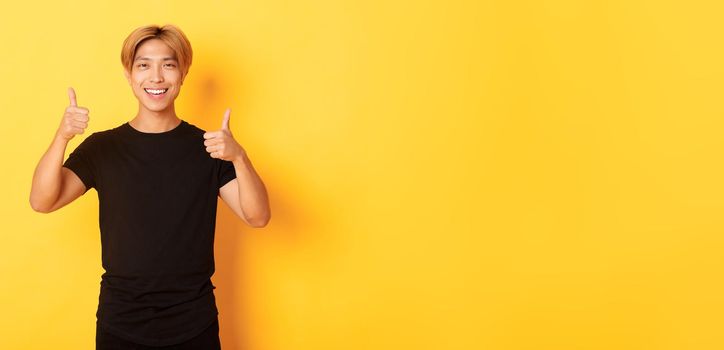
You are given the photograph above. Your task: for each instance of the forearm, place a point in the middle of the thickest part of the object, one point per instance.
(253, 197)
(47, 179)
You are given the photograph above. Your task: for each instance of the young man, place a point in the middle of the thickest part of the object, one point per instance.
(157, 179)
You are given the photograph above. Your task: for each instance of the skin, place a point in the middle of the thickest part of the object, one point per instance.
(155, 66)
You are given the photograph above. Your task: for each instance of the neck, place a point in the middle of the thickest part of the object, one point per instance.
(155, 121)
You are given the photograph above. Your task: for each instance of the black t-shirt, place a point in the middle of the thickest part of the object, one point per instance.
(157, 196)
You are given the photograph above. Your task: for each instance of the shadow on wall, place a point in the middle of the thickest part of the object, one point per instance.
(211, 87)
(214, 85)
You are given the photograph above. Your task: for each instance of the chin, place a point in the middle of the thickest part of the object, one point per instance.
(156, 108)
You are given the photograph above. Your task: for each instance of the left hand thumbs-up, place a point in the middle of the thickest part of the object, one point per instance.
(221, 143)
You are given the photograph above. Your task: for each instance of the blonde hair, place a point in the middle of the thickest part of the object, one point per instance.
(169, 34)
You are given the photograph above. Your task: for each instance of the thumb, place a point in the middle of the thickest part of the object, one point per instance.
(71, 96)
(225, 122)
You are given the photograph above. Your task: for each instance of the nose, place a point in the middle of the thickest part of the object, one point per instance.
(157, 75)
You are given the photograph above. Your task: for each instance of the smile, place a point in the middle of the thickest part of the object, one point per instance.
(155, 92)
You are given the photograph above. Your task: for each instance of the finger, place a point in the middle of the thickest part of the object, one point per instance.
(225, 122)
(212, 148)
(71, 96)
(81, 117)
(79, 124)
(211, 142)
(212, 134)
(78, 110)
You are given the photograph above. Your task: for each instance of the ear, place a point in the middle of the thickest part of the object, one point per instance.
(127, 75)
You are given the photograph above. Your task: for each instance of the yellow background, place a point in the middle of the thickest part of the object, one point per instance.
(442, 175)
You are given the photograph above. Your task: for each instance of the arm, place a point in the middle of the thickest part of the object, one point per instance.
(54, 186)
(246, 195)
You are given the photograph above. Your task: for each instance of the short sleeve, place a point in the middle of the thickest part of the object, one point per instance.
(226, 173)
(81, 161)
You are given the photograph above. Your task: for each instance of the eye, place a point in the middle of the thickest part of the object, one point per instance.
(141, 65)
(171, 65)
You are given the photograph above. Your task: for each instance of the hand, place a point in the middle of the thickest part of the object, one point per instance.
(221, 144)
(75, 119)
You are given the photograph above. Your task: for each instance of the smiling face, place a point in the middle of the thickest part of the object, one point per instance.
(155, 77)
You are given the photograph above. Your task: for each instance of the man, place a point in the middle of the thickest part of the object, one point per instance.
(157, 179)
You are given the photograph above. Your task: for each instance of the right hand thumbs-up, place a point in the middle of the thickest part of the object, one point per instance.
(75, 119)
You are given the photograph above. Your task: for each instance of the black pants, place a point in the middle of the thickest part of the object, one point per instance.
(207, 340)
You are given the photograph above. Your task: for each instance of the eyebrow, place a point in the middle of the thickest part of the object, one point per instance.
(138, 58)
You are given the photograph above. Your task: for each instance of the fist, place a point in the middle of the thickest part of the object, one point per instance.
(221, 143)
(75, 119)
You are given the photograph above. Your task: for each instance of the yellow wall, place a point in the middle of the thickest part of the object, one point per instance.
(443, 175)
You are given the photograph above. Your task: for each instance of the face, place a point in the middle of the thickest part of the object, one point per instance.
(155, 77)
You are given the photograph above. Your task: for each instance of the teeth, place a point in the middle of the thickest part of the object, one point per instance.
(156, 92)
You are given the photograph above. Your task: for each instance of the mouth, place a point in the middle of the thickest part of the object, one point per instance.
(156, 92)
